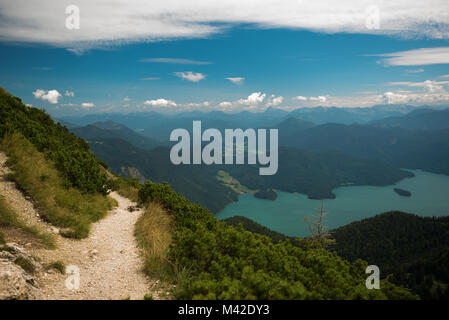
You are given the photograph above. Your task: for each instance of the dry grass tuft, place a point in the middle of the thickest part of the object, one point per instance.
(154, 234)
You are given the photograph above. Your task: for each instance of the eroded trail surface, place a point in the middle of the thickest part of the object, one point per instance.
(108, 261)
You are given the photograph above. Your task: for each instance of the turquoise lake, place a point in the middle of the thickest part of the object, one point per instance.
(430, 197)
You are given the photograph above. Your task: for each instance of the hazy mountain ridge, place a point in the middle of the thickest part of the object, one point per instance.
(422, 119)
(415, 149)
(158, 125)
(111, 129)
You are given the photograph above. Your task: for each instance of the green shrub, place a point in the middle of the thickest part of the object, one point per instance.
(148, 296)
(2, 238)
(226, 262)
(57, 265)
(25, 264)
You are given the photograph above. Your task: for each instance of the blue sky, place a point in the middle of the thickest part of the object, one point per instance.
(281, 66)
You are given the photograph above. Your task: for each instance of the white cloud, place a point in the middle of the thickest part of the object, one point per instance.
(425, 92)
(126, 99)
(51, 96)
(68, 105)
(236, 80)
(150, 79)
(300, 98)
(225, 105)
(39, 93)
(190, 76)
(160, 103)
(319, 98)
(430, 85)
(195, 104)
(69, 93)
(174, 61)
(122, 21)
(415, 70)
(87, 105)
(416, 57)
(253, 99)
(416, 98)
(274, 101)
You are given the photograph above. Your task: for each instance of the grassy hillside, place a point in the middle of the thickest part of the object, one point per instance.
(65, 207)
(213, 260)
(54, 167)
(71, 154)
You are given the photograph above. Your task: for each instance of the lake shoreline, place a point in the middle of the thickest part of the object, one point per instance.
(352, 203)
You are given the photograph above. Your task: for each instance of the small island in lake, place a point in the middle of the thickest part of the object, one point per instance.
(402, 192)
(268, 194)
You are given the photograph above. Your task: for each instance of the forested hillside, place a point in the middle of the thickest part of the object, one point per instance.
(314, 174)
(410, 251)
(422, 119)
(413, 250)
(414, 149)
(224, 262)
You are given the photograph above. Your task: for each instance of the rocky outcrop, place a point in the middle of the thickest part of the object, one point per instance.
(17, 268)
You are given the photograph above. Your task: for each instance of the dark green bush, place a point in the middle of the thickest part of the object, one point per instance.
(226, 262)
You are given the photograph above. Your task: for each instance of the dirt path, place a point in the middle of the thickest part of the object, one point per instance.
(108, 261)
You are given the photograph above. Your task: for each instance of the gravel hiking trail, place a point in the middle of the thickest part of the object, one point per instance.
(109, 263)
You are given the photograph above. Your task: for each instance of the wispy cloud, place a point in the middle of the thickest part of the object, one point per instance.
(125, 21)
(416, 57)
(415, 70)
(42, 68)
(87, 105)
(174, 61)
(236, 80)
(68, 93)
(150, 79)
(190, 76)
(430, 85)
